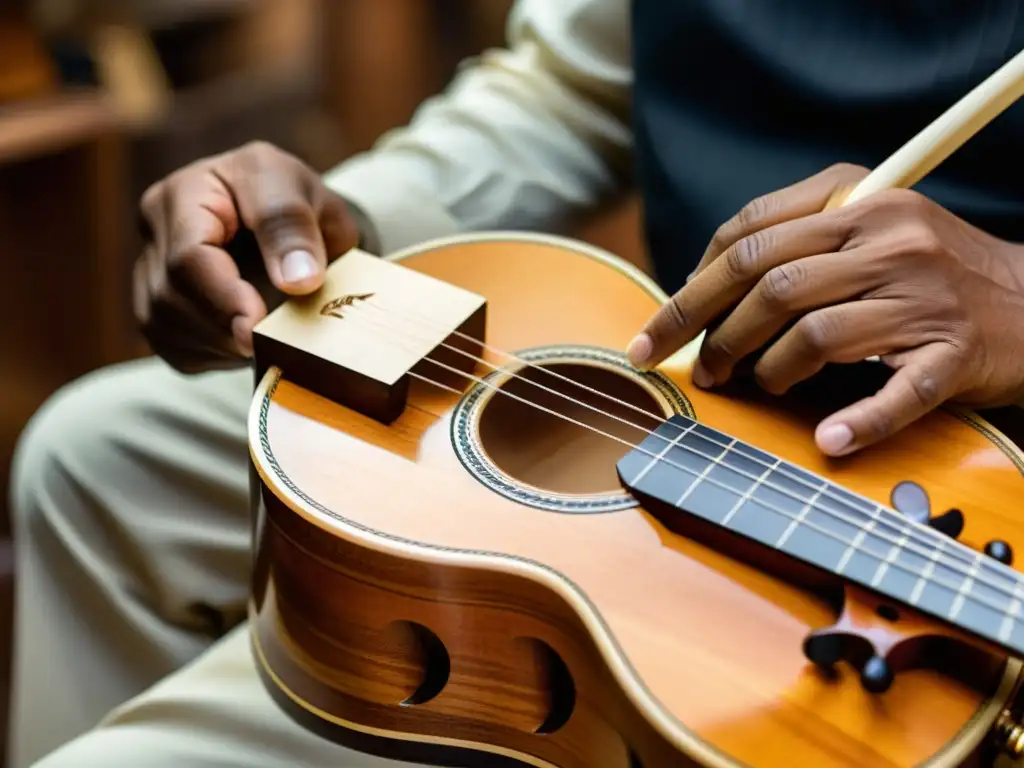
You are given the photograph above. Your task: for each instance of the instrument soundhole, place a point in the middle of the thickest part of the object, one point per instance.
(548, 428)
(577, 422)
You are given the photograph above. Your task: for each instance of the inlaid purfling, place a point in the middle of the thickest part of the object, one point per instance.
(674, 613)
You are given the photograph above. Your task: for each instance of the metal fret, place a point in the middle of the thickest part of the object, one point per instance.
(700, 478)
(965, 589)
(894, 553)
(748, 494)
(1006, 627)
(854, 545)
(664, 452)
(700, 472)
(926, 574)
(798, 520)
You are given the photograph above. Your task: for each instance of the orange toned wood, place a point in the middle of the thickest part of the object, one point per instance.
(877, 627)
(581, 641)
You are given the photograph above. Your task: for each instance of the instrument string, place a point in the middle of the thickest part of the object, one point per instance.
(800, 520)
(511, 356)
(892, 519)
(903, 527)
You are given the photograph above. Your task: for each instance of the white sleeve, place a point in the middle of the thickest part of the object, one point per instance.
(525, 137)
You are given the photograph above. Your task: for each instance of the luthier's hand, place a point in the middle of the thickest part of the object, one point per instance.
(894, 275)
(226, 237)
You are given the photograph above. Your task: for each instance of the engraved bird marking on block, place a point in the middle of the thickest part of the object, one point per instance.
(332, 308)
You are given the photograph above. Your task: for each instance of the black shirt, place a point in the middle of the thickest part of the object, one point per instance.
(737, 98)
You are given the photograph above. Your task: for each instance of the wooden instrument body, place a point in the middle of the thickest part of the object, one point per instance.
(404, 605)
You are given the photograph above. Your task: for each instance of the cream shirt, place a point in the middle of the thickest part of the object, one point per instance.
(526, 137)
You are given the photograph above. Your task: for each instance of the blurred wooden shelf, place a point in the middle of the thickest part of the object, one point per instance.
(62, 224)
(41, 126)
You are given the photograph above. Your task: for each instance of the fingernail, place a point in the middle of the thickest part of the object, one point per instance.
(639, 349)
(835, 439)
(690, 276)
(701, 377)
(298, 266)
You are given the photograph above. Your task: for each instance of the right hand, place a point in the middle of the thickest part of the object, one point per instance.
(229, 237)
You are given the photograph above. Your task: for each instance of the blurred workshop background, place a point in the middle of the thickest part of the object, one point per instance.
(99, 98)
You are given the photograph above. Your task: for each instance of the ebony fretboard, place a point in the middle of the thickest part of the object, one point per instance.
(700, 471)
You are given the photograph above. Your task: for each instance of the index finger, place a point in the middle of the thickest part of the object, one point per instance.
(806, 197)
(199, 210)
(210, 277)
(728, 279)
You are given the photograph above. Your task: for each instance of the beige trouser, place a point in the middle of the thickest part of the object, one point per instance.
(130, 505)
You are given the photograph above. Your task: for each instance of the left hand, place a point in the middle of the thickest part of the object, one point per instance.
(894, 275)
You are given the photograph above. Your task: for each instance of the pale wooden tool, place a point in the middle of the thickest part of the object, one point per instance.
(361, 357)
(920, 156)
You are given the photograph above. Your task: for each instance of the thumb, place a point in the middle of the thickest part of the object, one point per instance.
(273, 194)
(289, 239)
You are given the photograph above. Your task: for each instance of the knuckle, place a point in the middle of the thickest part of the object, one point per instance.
(847, 171)
(908, 201)
(262, 155)
(908, 198)
(916, 239)
(880, 423)
(819, 331)
(183, 266)
(925, 240)
(949, 307)
(870, 207)
(722, 238)
(716, 350)
(926, 388)
(284, 217)
(756, 211)
(744, 258)
(675, 316)
(881, 205)
(780, 285)
(768, 380)
(259, 147)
